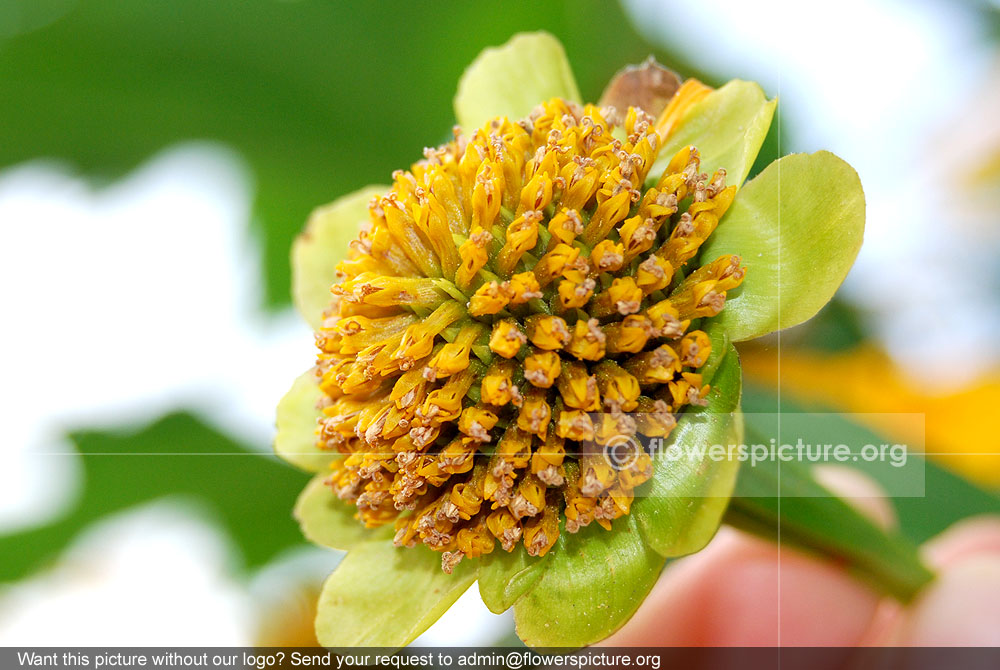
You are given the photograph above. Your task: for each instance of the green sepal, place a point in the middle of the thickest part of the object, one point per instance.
(328, 521)
(798, 226)
(505, 577)
(323, 244)
(296, 417)
(594, 582)
(513, 79)
(383, 596)
(681, 508)
(728, 127)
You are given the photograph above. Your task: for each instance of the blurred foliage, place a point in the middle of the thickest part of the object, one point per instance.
(946, 497)
(247, 493)
(837, 327)
(320, 97)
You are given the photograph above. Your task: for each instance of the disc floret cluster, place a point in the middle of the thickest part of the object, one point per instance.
(520, 300)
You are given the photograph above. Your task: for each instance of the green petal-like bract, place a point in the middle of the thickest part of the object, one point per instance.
(798, 226)
(322, 245)
(595, 580)
(295, 439)
(680, 509)
(513, 79)
(728, 127)
(505, 577)
(329, 521)
(381, 596)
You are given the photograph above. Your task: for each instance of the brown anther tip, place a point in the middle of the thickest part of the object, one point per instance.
(652, 267)
(520, 507)
(694, 398)
(538, 544)
(481, 238)
(661, 357)
(594, 332)
(478, 432)
(550, 476)
(591, 486)
(510, 538)
(626, 307)
(515, 396)
(713, 300)
(609, 260)
(450, 559)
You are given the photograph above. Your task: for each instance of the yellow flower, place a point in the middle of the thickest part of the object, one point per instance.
(516, 311)
(462, 239)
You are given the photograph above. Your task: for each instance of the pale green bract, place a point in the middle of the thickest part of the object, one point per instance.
(382, 596)
(513, 79)
(728, 126)
(797, 227)
(683, 505)
(329, 522)
(323, 244)
(296, 417)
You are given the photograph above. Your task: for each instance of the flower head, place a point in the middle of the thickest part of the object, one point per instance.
(509, 286)
(514, 310)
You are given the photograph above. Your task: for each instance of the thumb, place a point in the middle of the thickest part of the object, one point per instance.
(961, 608)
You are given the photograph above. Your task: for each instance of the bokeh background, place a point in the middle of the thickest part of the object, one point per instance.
(157, 159)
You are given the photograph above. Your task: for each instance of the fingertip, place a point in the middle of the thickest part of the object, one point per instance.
(972, 537)
(961, 608)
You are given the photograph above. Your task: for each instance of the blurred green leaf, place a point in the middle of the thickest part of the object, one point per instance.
(316, 111)
(773, 494)
(947, 498)
(781, 501)
(248, 493)
(837, 327)
(772, 149)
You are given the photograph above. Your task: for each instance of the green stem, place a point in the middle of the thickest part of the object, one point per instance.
(810, 517)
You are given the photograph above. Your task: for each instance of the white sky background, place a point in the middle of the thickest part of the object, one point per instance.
(892, 87)
(125, 302)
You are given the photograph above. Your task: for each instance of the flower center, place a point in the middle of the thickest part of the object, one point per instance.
(517, 310)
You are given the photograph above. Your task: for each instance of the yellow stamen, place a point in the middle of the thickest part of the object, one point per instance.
(507, 338)
(690, 92)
